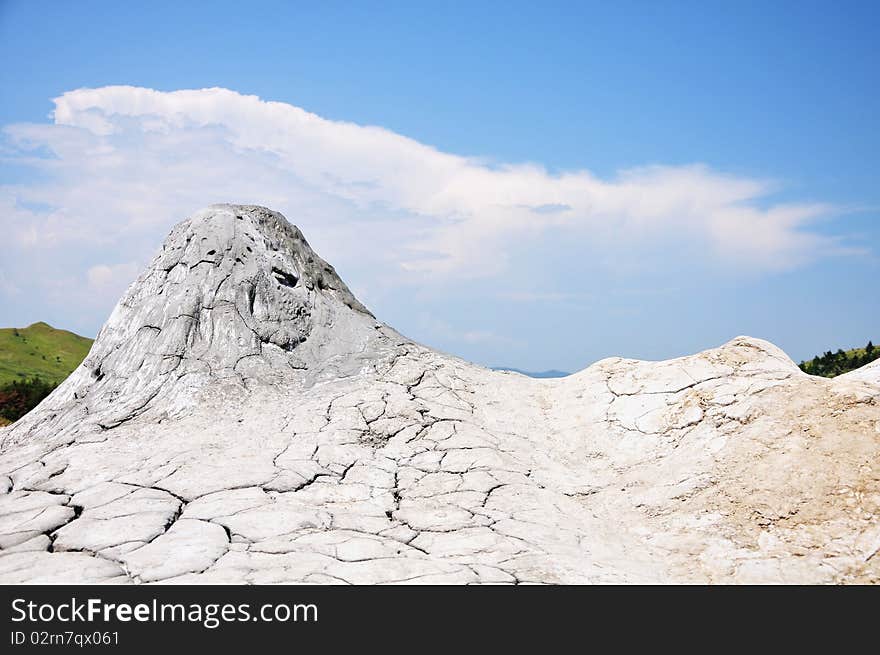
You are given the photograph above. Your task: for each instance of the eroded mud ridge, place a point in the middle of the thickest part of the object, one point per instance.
(243, 418)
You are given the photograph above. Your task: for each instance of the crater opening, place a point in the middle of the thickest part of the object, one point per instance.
(284, 278)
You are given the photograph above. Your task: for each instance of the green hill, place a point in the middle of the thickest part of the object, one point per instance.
(40, 350)
(832, 364)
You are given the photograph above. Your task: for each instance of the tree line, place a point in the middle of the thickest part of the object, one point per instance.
(831, 364)
(19, 397)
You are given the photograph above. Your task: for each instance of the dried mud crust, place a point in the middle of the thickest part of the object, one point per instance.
(250, 422)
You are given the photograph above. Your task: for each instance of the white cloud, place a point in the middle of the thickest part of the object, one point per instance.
(115, 279)
(120, 165)
(487, 336)
(100, 275)
(7, 287)
(542, 296)
(442, 331)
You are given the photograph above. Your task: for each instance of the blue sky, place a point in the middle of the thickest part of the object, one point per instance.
(576, 181)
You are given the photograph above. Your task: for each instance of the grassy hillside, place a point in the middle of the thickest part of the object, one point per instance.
(832, 364)
(33, 361)
(40, 350)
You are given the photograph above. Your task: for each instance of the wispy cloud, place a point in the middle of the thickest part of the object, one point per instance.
(120, 164)
(443, 331)
(548, 208)
(487, 336)
(7, 287)
(542, 296)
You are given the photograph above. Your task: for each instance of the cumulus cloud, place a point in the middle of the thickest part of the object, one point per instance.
(104, 279)
(119, 165)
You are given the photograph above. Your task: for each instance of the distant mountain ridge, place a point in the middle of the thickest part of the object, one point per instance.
(552, 373)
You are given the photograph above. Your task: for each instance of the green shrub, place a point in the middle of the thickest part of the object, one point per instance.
(832, 364)
(17, 398)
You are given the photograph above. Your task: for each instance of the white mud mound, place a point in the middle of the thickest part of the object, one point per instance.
(243, 418)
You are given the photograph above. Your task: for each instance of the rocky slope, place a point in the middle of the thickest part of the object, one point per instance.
(242, 418)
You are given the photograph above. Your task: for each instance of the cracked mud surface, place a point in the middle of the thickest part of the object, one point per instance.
(242, 418)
